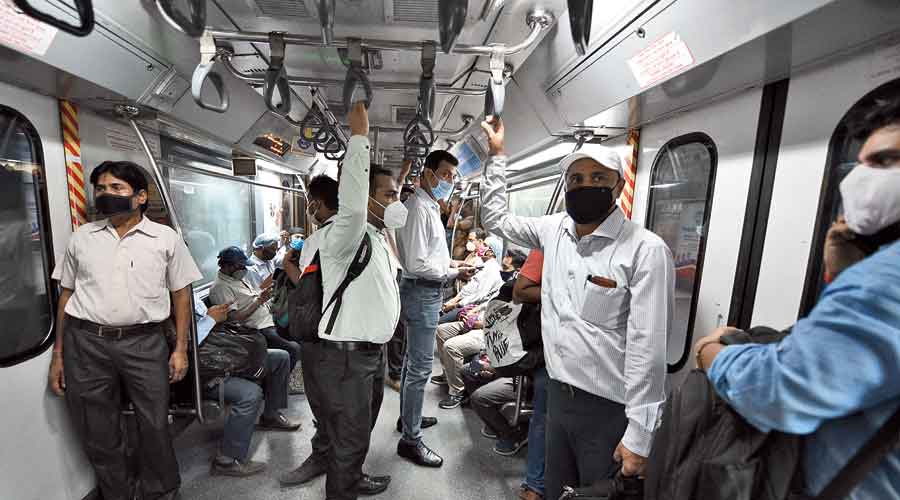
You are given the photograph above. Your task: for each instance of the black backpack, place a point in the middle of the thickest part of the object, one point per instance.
(231, 350)
(705, 450)
(306, 299)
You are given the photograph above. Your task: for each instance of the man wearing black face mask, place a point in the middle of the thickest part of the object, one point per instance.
(119, 277)
(607, 297)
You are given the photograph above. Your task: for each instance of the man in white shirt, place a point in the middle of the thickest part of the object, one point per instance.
(250, 304)
(483, 286)
(351, 355)
(261, 263)
(119, 278)
(422, 243)
(607, 299)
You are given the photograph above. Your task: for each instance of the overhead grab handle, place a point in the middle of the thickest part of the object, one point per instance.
(580, 12)
(427, 88)
(276, 77)
(495, 96)
(326, 20)
(204, 72)
(193, 24)
(451, 19)
(85, 10)
(356, 77)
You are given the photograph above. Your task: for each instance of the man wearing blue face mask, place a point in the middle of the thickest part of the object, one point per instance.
(607, 299)
(422, 244)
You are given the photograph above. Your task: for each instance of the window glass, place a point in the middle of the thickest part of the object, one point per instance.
(25, 302)
(842, 156)
(214, 213)
(272, 206)
(680, 194)
(531, 201)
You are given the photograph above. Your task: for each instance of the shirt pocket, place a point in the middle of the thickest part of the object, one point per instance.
(147, 279)
(605, 307)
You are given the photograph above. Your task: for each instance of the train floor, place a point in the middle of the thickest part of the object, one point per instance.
(471, 470)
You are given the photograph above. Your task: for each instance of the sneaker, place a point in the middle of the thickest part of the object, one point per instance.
(488, 432)
(278, 423)
(393, 383)
(509, 447)
(454, 401)
(225, 466)
(439, 380)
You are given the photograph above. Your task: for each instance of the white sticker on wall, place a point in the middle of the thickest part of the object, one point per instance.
(124, 139)
(22, 33)
(661, 59)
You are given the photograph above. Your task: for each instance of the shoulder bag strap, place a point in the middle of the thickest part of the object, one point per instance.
(363, 254)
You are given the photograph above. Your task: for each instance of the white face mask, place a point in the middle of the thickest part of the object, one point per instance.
(394, 214)
(871, 198)
(470, 246)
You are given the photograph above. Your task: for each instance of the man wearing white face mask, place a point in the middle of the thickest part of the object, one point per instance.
(422, 243)
(834, 377)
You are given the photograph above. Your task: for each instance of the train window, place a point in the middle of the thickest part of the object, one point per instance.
(26, 299)
(681, 185)
(531, 200)
(842, 153)
(215, 213)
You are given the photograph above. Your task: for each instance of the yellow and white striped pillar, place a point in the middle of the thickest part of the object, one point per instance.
(68, 114)
(630, 171)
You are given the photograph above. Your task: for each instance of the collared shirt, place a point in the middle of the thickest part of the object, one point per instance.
(835, 376)
(371, 304)
(311, 246)
(241, 294)
(422, 242)
(124, 281)
(483, 286)
(610, 342)
(258, 270)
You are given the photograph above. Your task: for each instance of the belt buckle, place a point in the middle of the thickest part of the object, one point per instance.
(118, 335)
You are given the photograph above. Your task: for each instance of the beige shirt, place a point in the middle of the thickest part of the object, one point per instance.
(241, 294)
(124, 281)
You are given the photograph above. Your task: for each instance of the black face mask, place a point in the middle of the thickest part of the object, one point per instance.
(112, 204)
(589, 204)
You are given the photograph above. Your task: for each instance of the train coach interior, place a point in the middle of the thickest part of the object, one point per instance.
(731, 117)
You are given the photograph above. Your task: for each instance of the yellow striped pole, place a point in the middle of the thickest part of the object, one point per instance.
(630, 172)
(68, 114)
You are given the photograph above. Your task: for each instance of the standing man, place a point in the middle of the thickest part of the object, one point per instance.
(117, 277)
(350, 364)
(427, 266)
(607, 299)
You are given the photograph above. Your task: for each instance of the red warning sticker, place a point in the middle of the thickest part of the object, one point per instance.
(661, 59)
(23, 33)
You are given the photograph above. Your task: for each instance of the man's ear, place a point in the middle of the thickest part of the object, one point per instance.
(142, 197)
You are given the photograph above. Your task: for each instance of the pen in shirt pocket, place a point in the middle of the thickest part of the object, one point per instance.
(602, 282)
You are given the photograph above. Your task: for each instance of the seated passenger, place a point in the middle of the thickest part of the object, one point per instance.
(483, 286)
(249, 305)
(244, 398)
(512, 262)
(488, 400)
(833, 377)
(457, 342)
(261, 263)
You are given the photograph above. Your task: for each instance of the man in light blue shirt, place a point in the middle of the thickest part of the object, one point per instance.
(835, 376)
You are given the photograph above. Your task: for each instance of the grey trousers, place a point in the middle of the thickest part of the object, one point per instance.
(97, 371)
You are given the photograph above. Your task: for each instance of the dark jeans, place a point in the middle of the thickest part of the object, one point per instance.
(276, 341)
(583, 431)
(450, 316)
(97, 371)
(244, 399)
(395, 348)
(351, 388)
(321, 446)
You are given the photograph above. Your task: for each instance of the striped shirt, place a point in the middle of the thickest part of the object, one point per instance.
(610, 342)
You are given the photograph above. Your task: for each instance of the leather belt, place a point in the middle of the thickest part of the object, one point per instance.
(351, 346)
(425, 282)
(112, 332)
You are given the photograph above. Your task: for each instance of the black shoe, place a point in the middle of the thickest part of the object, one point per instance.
(235, 468)
(439, 380)
(278, 423)
(424, 424)
(454, 400)
(310, 469)
(372, 485)
(419, 454)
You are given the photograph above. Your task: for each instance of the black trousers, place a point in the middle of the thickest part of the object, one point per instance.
(395, 349)
(350, 388)
(583, 431)
(309, 356)
(97, 370)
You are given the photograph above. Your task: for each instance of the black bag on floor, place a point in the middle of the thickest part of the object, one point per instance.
(231, 350)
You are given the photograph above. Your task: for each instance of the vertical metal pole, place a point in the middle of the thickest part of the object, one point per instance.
(129, 112)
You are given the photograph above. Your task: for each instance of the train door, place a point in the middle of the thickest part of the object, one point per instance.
(815, 153)
(690, 166)
(41, 454)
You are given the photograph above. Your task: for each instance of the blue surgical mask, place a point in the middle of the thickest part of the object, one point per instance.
(443, 188)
